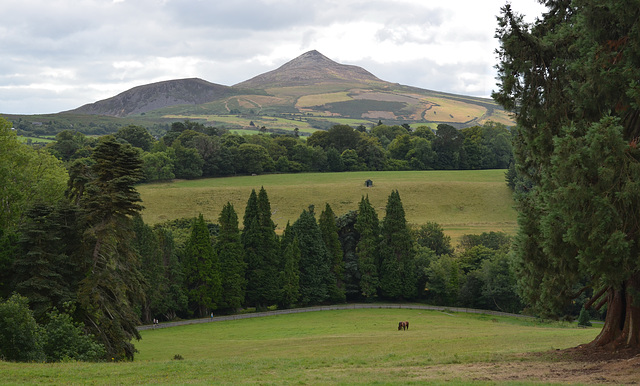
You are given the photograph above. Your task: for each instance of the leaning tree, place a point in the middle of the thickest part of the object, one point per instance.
(572, 79)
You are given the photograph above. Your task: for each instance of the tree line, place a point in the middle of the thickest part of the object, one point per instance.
(191, 150)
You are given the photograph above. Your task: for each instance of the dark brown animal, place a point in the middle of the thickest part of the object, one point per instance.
(403, 326)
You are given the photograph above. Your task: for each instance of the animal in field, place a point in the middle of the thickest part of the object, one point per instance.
(403, 326)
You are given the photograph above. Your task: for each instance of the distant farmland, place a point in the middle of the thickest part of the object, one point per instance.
(463, 202)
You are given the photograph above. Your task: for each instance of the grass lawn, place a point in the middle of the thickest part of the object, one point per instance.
(326, 347)
(463, 202)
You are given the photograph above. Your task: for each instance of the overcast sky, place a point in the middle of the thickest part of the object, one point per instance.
(56, 55)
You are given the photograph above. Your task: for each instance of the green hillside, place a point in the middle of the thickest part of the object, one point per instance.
(463, 202)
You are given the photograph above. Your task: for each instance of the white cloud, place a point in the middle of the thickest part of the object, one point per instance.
(70, 53)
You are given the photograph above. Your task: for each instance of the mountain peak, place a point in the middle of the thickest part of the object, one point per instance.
(312, 67)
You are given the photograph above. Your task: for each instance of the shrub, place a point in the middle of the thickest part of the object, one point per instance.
(65, 340)
(20, 338)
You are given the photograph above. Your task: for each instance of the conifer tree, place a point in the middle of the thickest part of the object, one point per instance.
(397, 266)
(202, 270)
(231, 254)
(571, 78)
(151, 267)
(315, 274)
(367, 248)
(329, 230)
(113, 284)
(44, 268)
(290, 270)
(262, 251)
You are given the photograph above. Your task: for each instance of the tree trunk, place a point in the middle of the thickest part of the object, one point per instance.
(622, 324)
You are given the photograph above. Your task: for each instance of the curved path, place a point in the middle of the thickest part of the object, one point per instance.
(328, 308)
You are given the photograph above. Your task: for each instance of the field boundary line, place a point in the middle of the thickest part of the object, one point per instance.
(354, 306)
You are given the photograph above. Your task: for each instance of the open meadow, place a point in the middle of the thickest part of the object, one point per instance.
(329, 347)
(463, 202)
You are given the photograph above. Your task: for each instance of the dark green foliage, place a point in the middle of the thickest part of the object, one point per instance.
(499, 284)
(63, 339)
(229, 249)
(45, 269)
(443, 281)
(290, 272)
(315, 274)
(8, 248)
(329, 230)
(136, 136)
(349, 240)
(262, 251)
(583, 319)
(113, 285)
(367, 248)
(152, 268)
(572, 80)
(492, 240)
(19, 332)
(431, 235)
(187, 162)
(202, 270)
(175, 299)
(397, 266)
(447, 145)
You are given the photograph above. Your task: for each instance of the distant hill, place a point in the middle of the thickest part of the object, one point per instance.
(154, 96)
(309, 69)
(308, 93)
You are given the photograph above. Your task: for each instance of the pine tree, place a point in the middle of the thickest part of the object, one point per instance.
(43, 270)
(113, 284)
(202, 270)
(329, 230)
(151, 267)
(231, 254)
(367, 249)
(397, 266)
(270, 249)
(290, 270)
(571, 78)
(262, 251)
(315, 274)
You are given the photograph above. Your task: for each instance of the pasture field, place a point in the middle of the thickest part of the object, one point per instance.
(328, 347)
(463, 202)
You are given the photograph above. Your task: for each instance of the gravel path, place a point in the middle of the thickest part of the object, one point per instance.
(327, 308)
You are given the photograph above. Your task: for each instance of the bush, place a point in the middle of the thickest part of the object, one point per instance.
(19, 332)
(65, 340)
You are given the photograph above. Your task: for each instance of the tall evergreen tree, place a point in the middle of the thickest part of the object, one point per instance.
(315, 274)
(175, 300)
(571, 78)
(113, 284)
(290, 269)
(231, 254)
(261, 252)
(44, 269)
(397, 265)
(329, 230)
(367, 225)
(202, 270)
(151, 267)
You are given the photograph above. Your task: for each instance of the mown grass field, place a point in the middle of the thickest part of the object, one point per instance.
(463, 202)
(325, 347)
